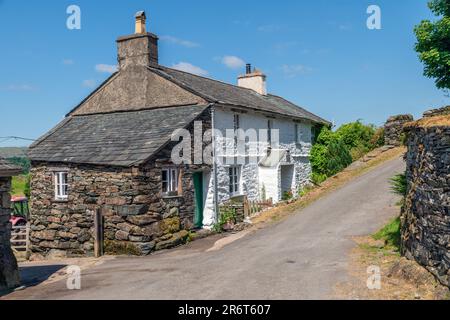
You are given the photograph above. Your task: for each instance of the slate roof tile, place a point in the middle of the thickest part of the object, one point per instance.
(118, 139)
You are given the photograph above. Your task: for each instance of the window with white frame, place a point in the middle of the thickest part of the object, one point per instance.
(61, 185)
(234, 174)
(170, 181)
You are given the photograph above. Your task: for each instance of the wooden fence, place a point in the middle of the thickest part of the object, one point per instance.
(254, 207)
(243, 208)
(20, 239)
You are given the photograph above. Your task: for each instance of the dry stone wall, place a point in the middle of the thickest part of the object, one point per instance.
(9, 276)
(393, 129)
(426, 217)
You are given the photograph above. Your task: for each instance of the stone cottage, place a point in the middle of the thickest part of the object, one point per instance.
(9, 274)
(114, 153)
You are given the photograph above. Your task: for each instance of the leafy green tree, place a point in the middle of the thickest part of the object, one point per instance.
(433, 44)
(334, 151)
(338, 157)
(355, 134)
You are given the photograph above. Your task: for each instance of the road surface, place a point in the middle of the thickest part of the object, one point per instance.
(301, 257)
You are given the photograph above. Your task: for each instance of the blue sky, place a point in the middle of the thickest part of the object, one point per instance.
(319, 54)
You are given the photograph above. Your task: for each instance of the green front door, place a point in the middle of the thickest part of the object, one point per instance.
(198, 187)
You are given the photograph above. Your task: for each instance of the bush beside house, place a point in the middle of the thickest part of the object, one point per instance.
(335, 150)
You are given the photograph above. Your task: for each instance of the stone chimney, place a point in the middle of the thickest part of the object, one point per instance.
(255, 80)
(140, 48)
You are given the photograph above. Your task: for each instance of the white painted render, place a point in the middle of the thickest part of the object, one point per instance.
(255, 81)
(254, 176)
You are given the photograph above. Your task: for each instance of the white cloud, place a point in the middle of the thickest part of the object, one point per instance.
(18, 87)
(90, 83)
(187, 67)
(292, 71)
(180, 42)
(106, 68)
(233, 62)
(68, 61)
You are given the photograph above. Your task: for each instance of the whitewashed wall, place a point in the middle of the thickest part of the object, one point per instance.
(252, 176)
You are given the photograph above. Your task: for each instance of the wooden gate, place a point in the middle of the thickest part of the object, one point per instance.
(20, 239)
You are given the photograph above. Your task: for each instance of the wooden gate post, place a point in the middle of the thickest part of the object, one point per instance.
(246, 208)
(98, 237)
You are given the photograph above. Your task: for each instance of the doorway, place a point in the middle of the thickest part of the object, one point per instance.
(287, 179)
(199, 203)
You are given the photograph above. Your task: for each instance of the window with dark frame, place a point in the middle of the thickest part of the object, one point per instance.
(236, 126)
(269, 130)
(235, 180)
(169, 181)
(61, 185)
(313, 134)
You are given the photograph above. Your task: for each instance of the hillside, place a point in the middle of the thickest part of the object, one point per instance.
(11, 152)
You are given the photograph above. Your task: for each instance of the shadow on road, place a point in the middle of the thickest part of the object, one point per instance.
(33, 275)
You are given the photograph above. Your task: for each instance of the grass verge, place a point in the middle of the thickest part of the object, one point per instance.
(18, 185)
(390, 234)
(401, 279)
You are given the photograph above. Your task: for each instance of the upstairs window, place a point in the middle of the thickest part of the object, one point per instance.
(313, 134)
(298, 134)
(61, 186)
(170, 181)
(234, 174)
(236, 124)
(269, 130)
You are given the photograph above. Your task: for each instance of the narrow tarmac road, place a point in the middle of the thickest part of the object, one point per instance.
(302, 257)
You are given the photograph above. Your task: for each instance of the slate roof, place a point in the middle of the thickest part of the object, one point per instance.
(117, 139)
(128, 137)
(216, 91)
(7, 169)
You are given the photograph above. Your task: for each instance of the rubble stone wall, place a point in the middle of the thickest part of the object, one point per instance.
(9, 276)
(426, 217)
(393, 129)
(138, 219)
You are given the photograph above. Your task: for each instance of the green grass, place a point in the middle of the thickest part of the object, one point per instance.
(390, 234)
(19, 184)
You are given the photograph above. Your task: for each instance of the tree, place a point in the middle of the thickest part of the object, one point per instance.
(433, 44)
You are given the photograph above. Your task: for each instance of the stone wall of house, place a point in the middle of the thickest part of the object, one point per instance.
(393, 129)
(426, 216)
(9, 275)
(137, 218)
